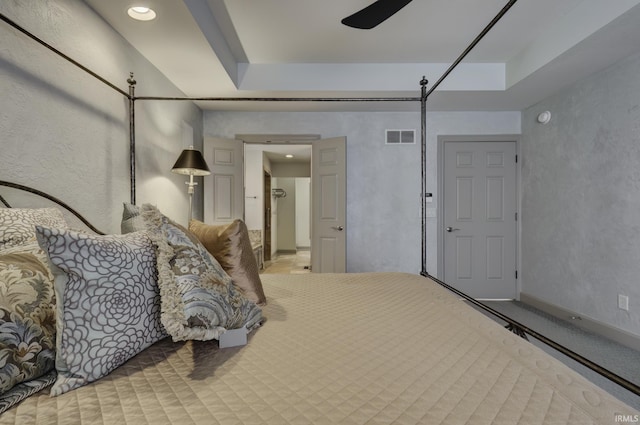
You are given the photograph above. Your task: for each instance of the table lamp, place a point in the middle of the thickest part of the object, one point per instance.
(191, 163)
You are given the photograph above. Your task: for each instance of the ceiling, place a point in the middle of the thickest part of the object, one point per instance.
(299, 48)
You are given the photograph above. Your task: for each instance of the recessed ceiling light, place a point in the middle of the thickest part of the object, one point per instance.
(141, 13)
(289, 156)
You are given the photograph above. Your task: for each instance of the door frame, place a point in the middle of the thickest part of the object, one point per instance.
(266, 140)
(293, 139)
(442, 139)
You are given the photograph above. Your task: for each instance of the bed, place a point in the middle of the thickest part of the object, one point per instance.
(355, 348)
(361, 348)
(341, 349)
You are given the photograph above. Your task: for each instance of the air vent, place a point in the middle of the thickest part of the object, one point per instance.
(400, 137)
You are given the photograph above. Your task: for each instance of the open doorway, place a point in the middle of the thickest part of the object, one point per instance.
(239, 192)
(281, 174)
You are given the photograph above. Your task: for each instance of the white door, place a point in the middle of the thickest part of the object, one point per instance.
(224, 187)
(480, 218)
(328, 212)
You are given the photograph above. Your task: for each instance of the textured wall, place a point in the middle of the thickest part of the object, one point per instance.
(286, 214)
(581, 197)
(67, 134)
(383, 181)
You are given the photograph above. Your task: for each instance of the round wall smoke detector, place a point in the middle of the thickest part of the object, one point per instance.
(544, 117)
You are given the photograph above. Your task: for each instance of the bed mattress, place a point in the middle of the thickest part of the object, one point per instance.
(370, 348)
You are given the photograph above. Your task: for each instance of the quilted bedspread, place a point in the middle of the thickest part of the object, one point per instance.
(371, 348)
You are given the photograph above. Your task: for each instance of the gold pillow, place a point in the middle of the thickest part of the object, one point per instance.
(230, 245)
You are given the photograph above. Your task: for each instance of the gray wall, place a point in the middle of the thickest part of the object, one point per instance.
(581, 197)
(278, 169)
(66, 133)
(383, 181)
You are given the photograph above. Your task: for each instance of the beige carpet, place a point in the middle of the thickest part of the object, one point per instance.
(289, 263)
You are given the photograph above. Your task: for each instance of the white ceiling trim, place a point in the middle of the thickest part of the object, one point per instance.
(368, 76)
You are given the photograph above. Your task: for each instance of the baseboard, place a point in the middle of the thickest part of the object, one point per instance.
(618, 335)
(285, 252)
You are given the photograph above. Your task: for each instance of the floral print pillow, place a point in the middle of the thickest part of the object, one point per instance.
(17, 225)
(27, 317)
(108, 306)
(199, 299)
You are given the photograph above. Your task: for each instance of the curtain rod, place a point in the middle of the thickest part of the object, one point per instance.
(59, 53)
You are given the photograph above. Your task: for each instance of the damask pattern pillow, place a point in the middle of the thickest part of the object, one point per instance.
(27, 319)
(230, 245)
(199, 300)
(108, 306)
(17, 225)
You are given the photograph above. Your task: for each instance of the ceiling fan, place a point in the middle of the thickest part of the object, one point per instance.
(374, 14)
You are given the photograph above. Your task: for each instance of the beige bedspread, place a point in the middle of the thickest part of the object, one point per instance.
(376, 348)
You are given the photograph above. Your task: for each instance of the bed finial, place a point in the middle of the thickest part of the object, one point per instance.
(131, 80)
(423, 85)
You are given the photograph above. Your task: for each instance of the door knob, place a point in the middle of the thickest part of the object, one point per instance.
(451, 229)
(338, 228)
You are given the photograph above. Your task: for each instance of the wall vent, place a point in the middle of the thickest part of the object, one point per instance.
(400, 137)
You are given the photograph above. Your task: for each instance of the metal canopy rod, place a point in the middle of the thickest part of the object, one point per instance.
(284, 99)
(484, 32)
(59, 53)
(628, 385)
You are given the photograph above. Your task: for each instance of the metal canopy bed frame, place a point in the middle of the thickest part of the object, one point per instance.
(512, 324)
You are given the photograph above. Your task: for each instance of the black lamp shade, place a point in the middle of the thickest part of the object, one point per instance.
(191, 162)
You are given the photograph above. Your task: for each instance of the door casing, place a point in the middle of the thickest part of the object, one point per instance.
(235, 192)
(440, 204)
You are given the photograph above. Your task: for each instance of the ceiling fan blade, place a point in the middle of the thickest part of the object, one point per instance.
(374, 14)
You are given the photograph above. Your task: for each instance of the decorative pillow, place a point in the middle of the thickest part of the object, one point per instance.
(199, 300)
(17, 225)
(230, 245)
(131, 219)
(27, 318)
(108, 306)
(25, 389)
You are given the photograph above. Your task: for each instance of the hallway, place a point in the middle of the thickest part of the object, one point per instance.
(289, 263)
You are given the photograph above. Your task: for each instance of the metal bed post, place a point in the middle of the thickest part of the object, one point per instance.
(423, 172)
(132, 137)
(423, 99)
